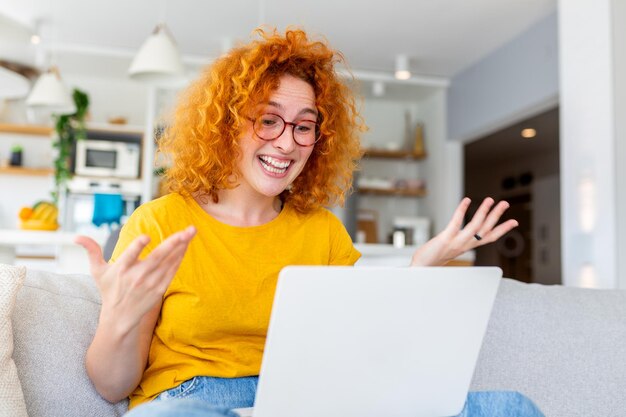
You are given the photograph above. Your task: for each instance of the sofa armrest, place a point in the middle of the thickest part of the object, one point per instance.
(54, 321)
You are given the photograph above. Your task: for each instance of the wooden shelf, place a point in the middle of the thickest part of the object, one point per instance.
(47, 130)
(26, 129)
(400, 192)
(384, 153)
(37, 172)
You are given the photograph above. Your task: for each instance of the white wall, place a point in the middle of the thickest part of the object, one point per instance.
(589, 150)
(518, 80)
(618, 13)
(392, 122)
(111, 97)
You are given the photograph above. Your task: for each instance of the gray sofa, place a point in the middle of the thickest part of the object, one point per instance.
(563, 347)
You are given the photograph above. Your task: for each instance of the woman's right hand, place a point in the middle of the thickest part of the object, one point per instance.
(130, 287)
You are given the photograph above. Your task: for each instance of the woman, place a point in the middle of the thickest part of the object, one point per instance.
(264, 140)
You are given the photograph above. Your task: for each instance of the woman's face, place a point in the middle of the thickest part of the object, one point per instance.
(269, 167)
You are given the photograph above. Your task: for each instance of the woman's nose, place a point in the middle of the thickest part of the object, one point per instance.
(286, 141)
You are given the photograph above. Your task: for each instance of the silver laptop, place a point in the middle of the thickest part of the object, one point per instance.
(373, 341)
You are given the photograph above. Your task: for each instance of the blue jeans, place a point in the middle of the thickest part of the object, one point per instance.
(205, 396)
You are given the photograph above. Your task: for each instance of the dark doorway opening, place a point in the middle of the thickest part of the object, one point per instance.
(525, 172)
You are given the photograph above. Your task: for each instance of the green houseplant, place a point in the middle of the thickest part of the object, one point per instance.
(69, 128)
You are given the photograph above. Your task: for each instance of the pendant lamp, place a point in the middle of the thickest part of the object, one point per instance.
(158, 61)
(50, 94)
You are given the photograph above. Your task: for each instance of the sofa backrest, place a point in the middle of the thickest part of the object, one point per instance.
(562, 347)
(54, 321)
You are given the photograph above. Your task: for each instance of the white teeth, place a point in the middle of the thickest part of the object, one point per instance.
(274, 165)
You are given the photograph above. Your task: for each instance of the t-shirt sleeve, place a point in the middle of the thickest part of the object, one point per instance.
(140, 222)
(342, 251)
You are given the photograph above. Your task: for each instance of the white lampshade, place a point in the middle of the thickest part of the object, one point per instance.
(158, 60)
(12, 84)
(50, 94)
(402, 67)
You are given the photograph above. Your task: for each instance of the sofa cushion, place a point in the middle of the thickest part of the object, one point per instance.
(562, 347)
(54, 322)
(11, 398)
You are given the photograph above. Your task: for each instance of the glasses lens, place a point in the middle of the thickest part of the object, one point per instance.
(269, 126)
(305, 132)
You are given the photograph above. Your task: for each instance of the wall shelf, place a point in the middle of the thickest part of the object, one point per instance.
(26, 129)
(384, 153)
(400, 192)
(35, 172)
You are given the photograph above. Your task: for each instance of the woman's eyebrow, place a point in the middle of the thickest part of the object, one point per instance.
(306, 110)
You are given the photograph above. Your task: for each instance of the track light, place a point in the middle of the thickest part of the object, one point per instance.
(402, 67)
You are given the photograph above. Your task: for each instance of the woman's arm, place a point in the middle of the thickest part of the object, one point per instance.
(132, 291)
(456, 239)
(117, 356)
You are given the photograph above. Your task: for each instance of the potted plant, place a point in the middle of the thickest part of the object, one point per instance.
(16, 156)
(69, 128)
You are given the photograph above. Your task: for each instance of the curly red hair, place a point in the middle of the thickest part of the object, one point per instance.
(203, 141)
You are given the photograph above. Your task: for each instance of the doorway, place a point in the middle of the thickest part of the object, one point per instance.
(524, 171)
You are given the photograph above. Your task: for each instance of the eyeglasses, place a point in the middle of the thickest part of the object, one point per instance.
(270, 126)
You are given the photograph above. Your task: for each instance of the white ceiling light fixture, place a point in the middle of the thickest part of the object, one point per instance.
(402, 67)
(50, 94)
(158, 61)
(12, 84)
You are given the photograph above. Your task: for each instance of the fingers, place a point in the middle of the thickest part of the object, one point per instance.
(158, 269)
(498, 232)
(162, 275)
(476, 224)
(483, 223)
(456, 223)
(94, 252)
(493, 218)
(176, 244)
(178, 239)
(132, 252)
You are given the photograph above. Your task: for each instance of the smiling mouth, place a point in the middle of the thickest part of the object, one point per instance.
(274, 165)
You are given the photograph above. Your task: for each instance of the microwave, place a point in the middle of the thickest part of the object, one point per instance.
(107, 158)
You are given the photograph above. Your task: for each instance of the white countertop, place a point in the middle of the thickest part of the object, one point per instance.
(384, 250)
(69, 256)
(13, 237)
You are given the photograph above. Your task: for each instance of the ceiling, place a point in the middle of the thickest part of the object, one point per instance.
(441, 37)
(508, 145)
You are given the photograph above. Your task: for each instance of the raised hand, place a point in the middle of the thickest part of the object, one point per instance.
(456, 239)
(131, 287)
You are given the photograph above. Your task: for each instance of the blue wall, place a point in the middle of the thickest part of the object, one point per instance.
(516, 81)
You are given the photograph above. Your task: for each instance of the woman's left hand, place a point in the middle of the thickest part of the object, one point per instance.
(456, 239)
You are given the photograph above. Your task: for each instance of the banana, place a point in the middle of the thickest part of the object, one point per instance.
(42, 216)
(38, 210)
(47, 213)
(36, 224)
(52, 215)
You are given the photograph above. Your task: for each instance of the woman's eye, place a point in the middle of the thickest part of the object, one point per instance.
(268, 122)
(303, 128)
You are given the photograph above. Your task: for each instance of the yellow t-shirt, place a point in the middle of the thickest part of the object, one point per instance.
(216, 310)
